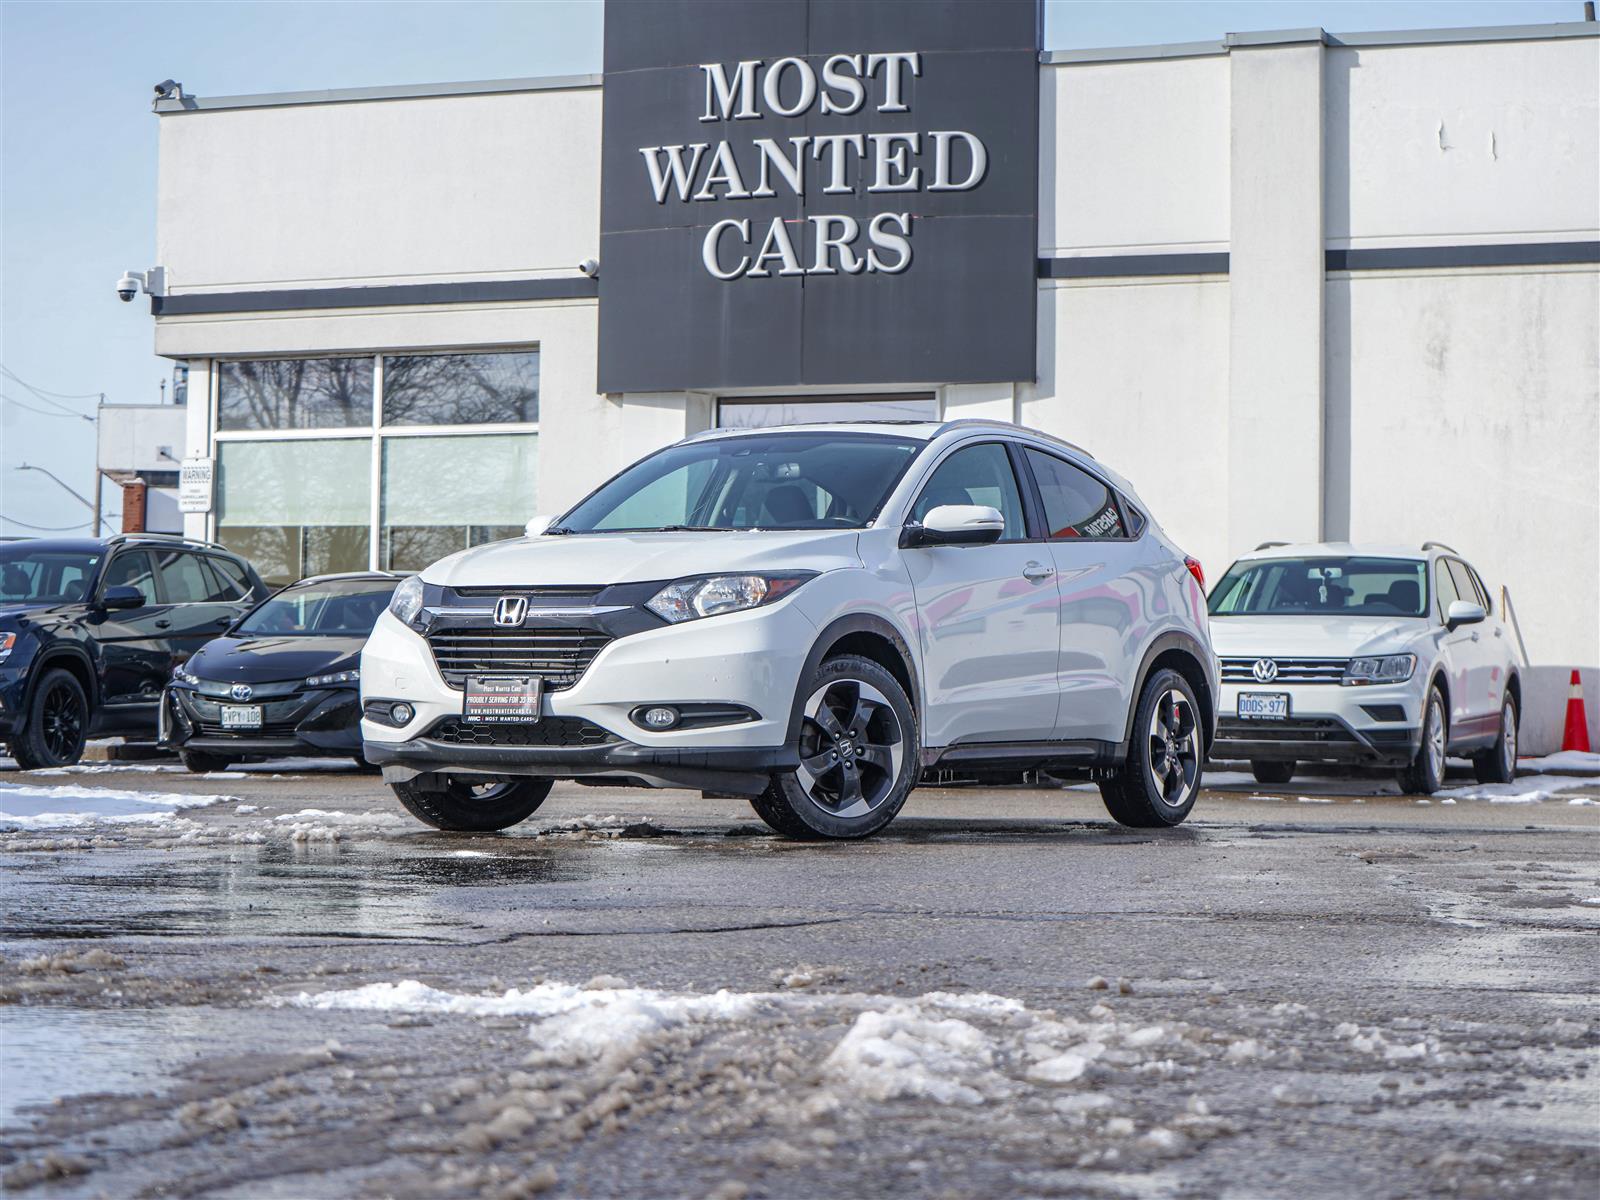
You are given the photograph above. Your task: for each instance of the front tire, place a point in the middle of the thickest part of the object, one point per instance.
(56, 725)
(1424, 775)
(1160, 778)
(201, 763)
(1272, 772)
(858, 755)
(1498, 764)
(459, 806)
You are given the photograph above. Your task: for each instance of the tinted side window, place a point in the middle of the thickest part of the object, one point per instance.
(1076, 504)
(131, 568)
(1465, 588)
(231, 572)
(224, 587)
(1483, 590)
(976, 475)
(1444, 587)
(183, 578)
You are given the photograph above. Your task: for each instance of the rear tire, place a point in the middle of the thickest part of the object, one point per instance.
(203, 764)
(1424, 775)
(455, 805)
(858, 748)
(1498, 764)
(55, 725)
(1160, 778)
(1272, 772)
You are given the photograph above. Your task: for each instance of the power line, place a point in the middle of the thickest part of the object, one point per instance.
(12, 375)
(45, 528)
(45, 412)
(48, 392)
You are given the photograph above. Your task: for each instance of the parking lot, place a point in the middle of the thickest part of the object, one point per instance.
(272, 983)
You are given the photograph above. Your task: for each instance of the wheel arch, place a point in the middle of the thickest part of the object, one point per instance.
(871, 637)
(1186, 656)
(1514, 690)
(72, 659)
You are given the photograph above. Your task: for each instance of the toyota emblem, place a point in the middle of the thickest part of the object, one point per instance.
(1265, 670)
(509, 610)
(241, 691)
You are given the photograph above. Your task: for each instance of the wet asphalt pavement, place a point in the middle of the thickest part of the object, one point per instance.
(1327, 991)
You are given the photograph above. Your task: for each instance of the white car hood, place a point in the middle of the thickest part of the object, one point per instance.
(606, 558)
(1312, 636)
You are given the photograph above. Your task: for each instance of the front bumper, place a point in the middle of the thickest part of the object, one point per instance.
(1327, 722)
(313, 723)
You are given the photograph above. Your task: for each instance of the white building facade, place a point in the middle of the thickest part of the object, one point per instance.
(1297, 286)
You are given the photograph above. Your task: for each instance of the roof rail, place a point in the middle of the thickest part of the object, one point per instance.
(997, 422)
(180, 539)
(1269, 546)
(1439, 546)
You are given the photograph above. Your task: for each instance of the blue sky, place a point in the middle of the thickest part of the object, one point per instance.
(78, 151)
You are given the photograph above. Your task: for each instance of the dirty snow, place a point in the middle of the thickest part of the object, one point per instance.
(67, 807)
(1577, 761)
(1527, 789)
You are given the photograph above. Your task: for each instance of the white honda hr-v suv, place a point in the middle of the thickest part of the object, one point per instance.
(1371, 655)
(811, 617)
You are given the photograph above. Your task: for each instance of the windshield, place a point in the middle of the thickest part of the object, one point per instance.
(1352, 587)
(342, 608)
(30, 576)
(758, 481)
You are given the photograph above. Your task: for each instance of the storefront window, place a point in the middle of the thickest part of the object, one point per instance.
(296, 508)
(443, 494)
(461, 389)
(294, 393)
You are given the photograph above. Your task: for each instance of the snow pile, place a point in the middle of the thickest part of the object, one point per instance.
(903, 1052)
(68, 807)
(1529, 789)
(1577, 762)
(109, 768)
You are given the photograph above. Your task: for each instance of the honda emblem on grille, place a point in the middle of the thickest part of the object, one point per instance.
(509, 610)
(241, 691)
(1265, 670)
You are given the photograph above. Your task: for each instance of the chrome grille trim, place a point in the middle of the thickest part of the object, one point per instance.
(560, 654)
(1290, 670)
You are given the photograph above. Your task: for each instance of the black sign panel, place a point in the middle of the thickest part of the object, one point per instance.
(818, 192)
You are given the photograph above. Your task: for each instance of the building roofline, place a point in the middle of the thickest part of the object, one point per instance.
(405, 91)
(1289, 37)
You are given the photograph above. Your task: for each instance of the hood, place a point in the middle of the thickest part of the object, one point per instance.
(270, 659)
(606, 558)
(1312, 636)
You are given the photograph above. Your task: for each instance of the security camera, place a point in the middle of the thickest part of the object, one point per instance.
(589, 267)
(128, 286)
(169, 89)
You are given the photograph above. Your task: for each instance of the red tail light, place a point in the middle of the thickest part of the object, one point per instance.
(1197, 571)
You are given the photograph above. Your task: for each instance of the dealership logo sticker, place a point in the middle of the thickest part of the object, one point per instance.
(1265, 670)
(241, 691)
(510, 610)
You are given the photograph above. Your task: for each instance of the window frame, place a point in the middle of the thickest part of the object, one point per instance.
(1115, 492)
(150, 563)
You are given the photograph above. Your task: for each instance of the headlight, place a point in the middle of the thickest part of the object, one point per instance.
(706, 597)
(179, 675)
(1392, 668)
(406, 602)
(333, 680)
(7, 642)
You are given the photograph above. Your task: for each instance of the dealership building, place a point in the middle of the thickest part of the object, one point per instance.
(1295, 285)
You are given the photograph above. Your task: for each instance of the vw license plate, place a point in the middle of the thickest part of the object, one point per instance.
(502, 699)
(241, 716)
(1264, 706)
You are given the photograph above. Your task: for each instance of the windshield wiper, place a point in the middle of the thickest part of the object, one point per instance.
(557, 531)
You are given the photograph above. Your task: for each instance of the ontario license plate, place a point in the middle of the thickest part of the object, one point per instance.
(241, 716)
(502, 699)
(1264, 706)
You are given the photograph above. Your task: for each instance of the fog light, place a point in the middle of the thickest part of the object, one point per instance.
(659, 717)
(401, 714)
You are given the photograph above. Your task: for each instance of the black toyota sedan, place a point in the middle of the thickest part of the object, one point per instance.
(283, 681)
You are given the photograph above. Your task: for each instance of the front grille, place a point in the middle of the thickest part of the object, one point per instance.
(580, 595)
(552, 731)
(1290, 670)
(279, 718)
(557, 653)
(1301, 729)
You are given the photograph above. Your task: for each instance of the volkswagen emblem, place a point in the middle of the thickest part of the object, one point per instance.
(509, 610)
(1265, 670)
(241, 691)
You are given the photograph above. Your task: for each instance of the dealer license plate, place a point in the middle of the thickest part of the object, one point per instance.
(241, 716)
(502, 699)
(1264, 706)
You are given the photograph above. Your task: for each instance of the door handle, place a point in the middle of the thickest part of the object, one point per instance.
(163, 623)
(1035, 571)
(1474, 636)
(223, 621)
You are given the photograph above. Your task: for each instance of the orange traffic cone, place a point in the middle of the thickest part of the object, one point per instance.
(1576, 735)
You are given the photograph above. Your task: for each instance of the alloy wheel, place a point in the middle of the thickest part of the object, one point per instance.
(61, 722)
(1508, 738)
(1174, 748)
(851, 748)
(1435, 737)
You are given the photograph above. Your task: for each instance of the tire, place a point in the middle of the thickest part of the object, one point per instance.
(461, 807)
(55, 726)
(1159, 780)
(1424, 775)
(858, 744)
(1498, 764)
(202, 763)
(1272, 772)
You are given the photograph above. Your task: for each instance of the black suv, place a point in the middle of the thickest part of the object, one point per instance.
(91, 628)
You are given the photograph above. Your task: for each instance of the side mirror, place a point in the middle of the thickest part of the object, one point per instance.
(537, 525)
(956, 525)
(122, 597)
(1463, 612)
